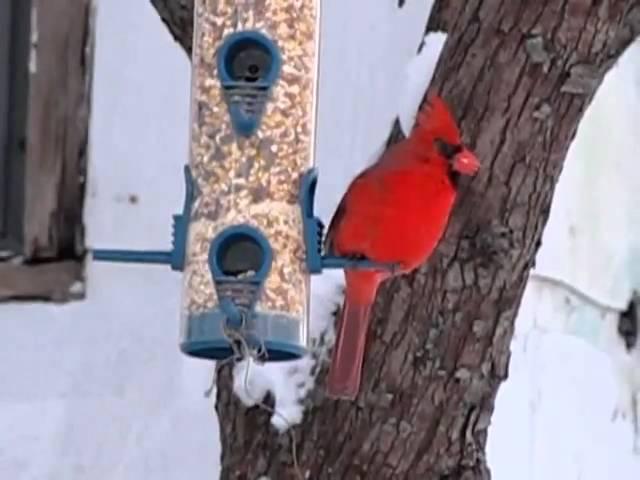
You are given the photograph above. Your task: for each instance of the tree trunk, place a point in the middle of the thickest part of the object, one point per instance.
(519, 76)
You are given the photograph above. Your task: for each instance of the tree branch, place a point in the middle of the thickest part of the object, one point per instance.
(177, 15)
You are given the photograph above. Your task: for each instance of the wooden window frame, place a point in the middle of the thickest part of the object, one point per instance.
(46, 64)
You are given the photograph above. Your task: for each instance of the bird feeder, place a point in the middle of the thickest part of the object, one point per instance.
(254, 73)
(247, 238)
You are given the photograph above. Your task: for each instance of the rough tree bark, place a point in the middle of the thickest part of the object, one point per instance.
(177, 15)
(519, 75)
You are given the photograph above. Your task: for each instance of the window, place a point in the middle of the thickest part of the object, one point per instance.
(45, 85)
(11, 108)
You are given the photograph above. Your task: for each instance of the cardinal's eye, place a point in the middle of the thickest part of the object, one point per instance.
(447, 150)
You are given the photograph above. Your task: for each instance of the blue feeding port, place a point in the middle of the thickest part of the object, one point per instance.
(248, 64)
(175, 257)
(240, 259)
(313, 231)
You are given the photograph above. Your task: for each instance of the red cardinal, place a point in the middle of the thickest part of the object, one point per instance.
(394, 212)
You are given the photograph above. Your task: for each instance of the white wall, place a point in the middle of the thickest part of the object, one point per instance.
(98, 389)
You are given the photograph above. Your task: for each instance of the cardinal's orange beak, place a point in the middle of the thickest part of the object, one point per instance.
(466, 163)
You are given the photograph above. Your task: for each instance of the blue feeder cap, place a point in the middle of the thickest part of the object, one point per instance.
(279, 336)
(248, 66)
(240, 250)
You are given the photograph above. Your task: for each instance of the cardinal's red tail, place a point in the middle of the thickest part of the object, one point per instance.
(345, 371)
